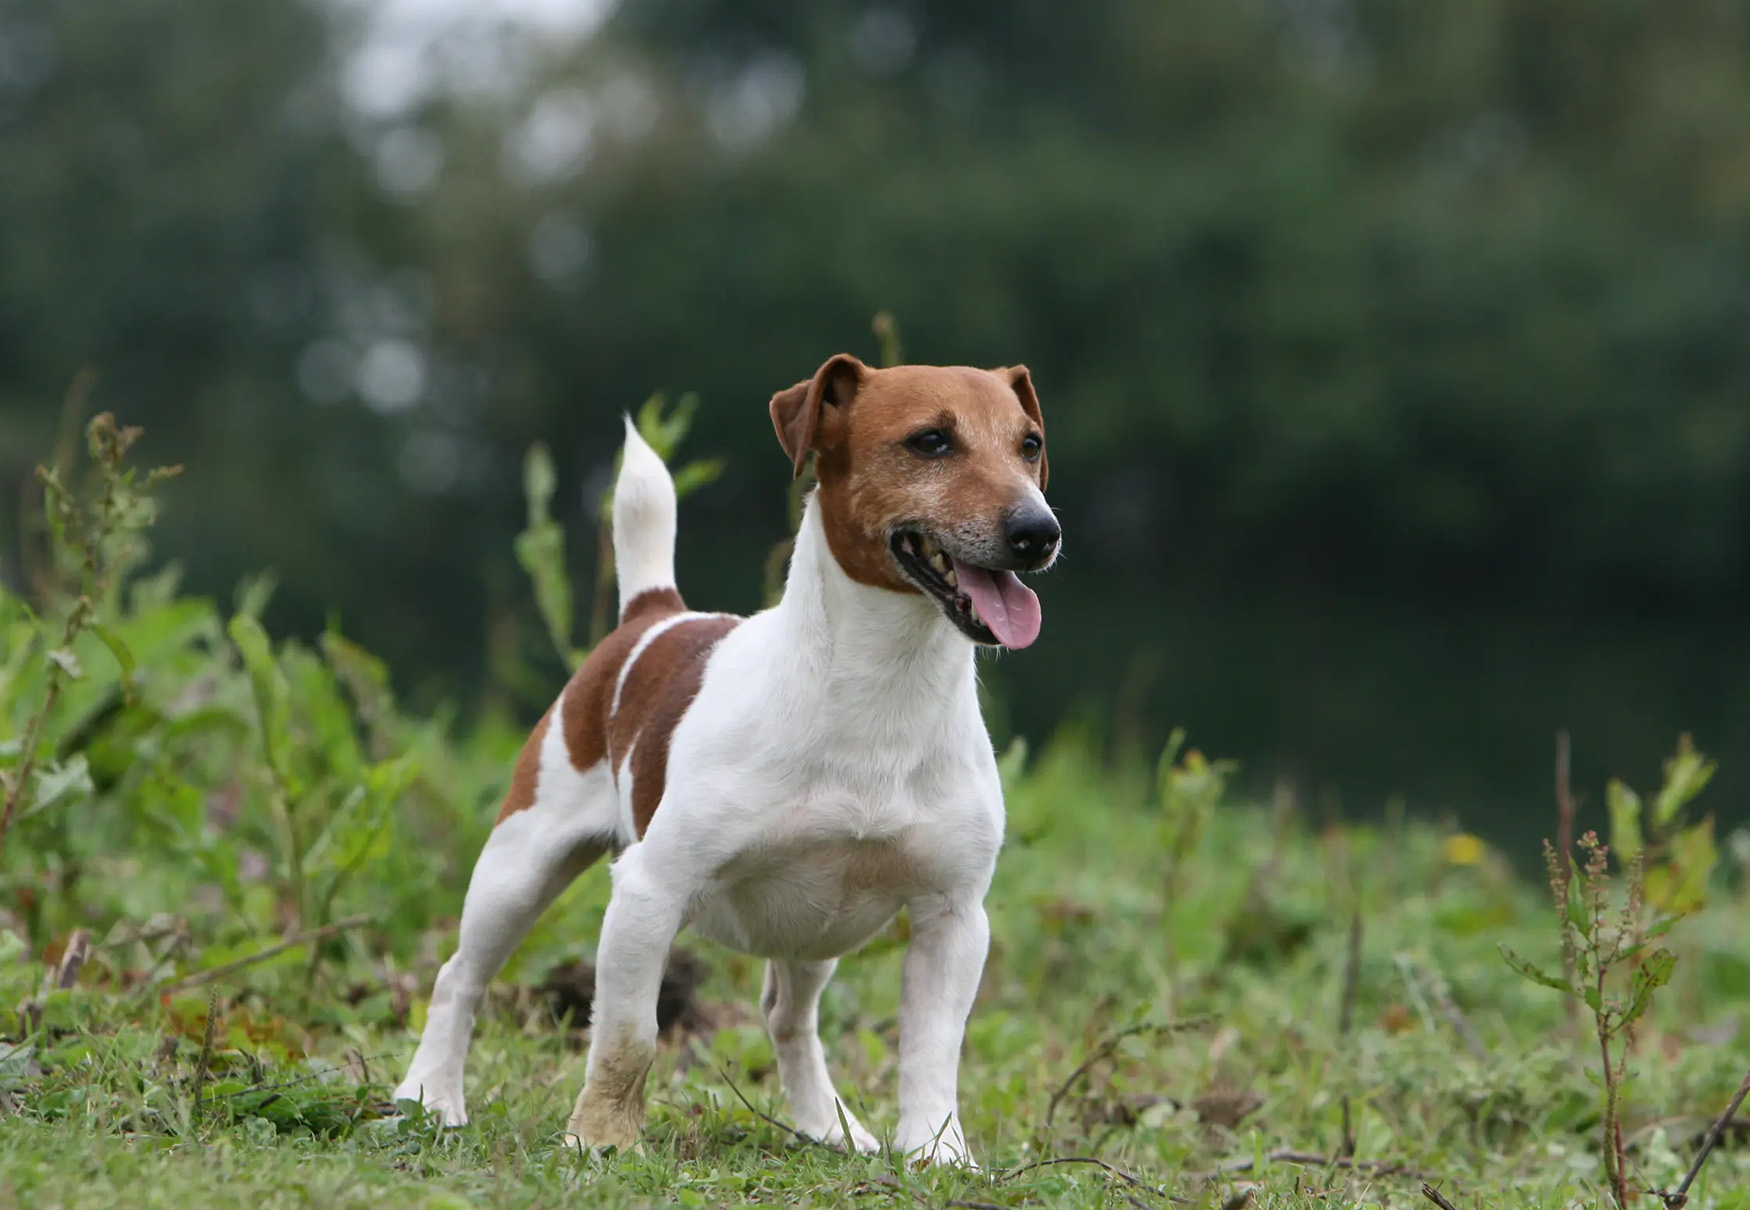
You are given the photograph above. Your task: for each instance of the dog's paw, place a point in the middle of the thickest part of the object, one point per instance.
(834, 1136)
(954, 1157)
(599, 1148)
(446, 1108)
(861, 1140)
(596, 1130)
(946, 1146)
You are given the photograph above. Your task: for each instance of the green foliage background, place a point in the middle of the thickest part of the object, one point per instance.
(1392, 354)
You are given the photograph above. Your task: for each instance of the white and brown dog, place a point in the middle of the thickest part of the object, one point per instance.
(785, 783)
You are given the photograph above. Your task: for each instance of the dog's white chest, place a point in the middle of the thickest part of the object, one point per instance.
(807, 902)
(816, 803)
(839, 867)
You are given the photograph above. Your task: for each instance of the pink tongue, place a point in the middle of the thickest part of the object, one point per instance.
(1009, 608)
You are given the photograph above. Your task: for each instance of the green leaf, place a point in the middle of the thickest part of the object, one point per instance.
(266, 680)
(1578, 916)
(1013, 762)
(1649, 977)
(16, 1063)
(1679, 884)
(540, 549)
(64, 659)
(539, 482)
(1625, 820)
(57, 781)
(1535, 974)
(1660, 927)
(1687, 774)
(666, 432)
(254, 593)
(124, 656)
(694, 475)
(1169, 757)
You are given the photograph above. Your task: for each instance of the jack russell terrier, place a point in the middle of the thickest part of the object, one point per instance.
(785, 783)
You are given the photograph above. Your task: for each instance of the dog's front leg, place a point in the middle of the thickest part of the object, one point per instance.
(949, 940)
(643, 916)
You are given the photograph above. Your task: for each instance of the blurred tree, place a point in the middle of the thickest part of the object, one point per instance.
(1418, 303)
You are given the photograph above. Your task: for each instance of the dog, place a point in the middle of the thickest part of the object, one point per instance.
(784, 784)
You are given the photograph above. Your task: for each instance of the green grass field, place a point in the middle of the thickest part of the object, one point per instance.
(289, 1110)
(1179, 1006)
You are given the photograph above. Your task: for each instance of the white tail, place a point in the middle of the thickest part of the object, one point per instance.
(644, 520)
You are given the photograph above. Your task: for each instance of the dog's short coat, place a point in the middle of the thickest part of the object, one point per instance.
(785, 783)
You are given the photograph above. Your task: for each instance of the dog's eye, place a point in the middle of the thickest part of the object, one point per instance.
(1031, 444)
(931, 443)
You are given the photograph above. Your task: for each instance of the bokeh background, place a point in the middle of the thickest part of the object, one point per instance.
(1395, 356)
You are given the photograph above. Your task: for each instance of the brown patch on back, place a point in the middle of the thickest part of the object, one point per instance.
(589, 697)
(524, 782)
(661, 685)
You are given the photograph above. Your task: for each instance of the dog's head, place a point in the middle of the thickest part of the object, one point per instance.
(931, 482)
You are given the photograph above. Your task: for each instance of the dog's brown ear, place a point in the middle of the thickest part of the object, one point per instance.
(1021, 382)
(796, 412)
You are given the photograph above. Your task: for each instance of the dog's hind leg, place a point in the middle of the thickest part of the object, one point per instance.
(556, 823)
(790, 1005)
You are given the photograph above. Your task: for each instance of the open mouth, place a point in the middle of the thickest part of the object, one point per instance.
(990, 605)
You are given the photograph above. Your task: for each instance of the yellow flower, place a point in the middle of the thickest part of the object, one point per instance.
(1463, 849)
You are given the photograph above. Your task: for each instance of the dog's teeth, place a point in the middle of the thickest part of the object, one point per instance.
(972, 611)
(940, 562)
(953, 580)
(930, 547)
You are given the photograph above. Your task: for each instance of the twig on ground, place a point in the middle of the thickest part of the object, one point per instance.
(1434, 1195)
(30, 1011)
(1679, 1198)
(206, 1059)
(201, 978)
(1311, 1159)
(1455, 1017)
(78, 950)
(1130, 1179)
(1346, 1017)
(767, 1118)
(1106, 1050)
(1351, 978)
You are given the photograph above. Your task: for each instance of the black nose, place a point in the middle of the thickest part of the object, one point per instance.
(1031, 533)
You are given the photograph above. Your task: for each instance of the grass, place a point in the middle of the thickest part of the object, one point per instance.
(1262, 939)
(1189, 1000)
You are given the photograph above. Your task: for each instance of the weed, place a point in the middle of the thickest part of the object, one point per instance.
(1609, 961)
(94, 524)
(1190, 791)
